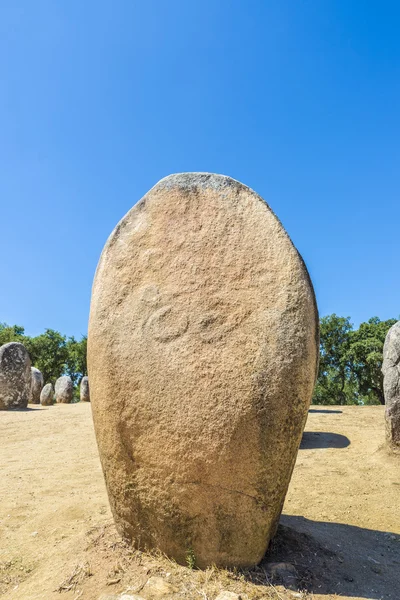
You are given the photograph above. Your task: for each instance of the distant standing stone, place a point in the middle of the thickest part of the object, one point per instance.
(391, 384)
(47, 395)
(202, 354)
(36, 385)
(85, 394)
(15, 376)
(64, 389)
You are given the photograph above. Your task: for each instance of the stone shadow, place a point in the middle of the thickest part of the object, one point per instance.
(312, 440)
(325, 410)
(334, 558)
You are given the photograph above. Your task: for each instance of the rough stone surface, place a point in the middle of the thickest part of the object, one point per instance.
(84, 390)
(47, 395)
(64, 389)
(202, 354)
(36, 385)
(391, 384)
(15, 376)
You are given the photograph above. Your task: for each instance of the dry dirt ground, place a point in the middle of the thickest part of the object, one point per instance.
(339, 531)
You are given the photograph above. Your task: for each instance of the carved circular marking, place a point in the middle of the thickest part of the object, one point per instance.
(214, 324)
(150, 295)
(167, 324)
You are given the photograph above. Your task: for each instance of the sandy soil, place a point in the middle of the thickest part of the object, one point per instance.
(339, 529)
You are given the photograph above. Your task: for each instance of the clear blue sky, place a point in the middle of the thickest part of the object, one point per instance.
(299, 99)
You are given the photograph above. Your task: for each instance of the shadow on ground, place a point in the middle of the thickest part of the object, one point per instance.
(325, 410)
(332, 558)
(313, 440)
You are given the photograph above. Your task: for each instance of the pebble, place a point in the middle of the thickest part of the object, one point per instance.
(228, 596)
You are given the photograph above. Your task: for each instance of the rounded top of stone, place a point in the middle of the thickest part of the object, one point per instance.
(12, 345)
(393, 333)
(14, 351)
(191, 181)
(35, 370)
(391, 348)
(203, 180)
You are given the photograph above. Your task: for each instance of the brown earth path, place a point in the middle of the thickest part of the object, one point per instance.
(340, 525)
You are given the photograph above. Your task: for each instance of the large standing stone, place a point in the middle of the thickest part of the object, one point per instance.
(47, 395)
(391, 384)
(203, 346)
(36, 385)
(84, 390)
(64, 389)
(15, 376)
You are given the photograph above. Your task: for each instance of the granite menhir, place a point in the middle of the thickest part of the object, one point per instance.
(391, 385)
(15, 376)
(202, 354)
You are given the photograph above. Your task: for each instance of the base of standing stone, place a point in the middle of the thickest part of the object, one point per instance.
(392, 417)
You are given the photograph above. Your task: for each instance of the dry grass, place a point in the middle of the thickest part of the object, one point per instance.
(13, 572)
(132, 570)
(80, 572)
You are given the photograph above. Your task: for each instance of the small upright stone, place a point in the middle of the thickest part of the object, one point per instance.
(202, 356)
(36, 385)
(15, 376)
(391, 385)
(84, 392)
(47, 395)
(64, 389)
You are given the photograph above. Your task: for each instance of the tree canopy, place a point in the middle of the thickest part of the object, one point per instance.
(351, 361)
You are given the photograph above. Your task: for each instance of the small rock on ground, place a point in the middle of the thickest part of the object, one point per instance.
(120, 597)
(284, 573)
(157, 587)
(228, 596)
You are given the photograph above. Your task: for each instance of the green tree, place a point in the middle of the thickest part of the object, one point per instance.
(365, 355)
(49, 353)
(76, 366)
(11, 333)
(335, 384)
